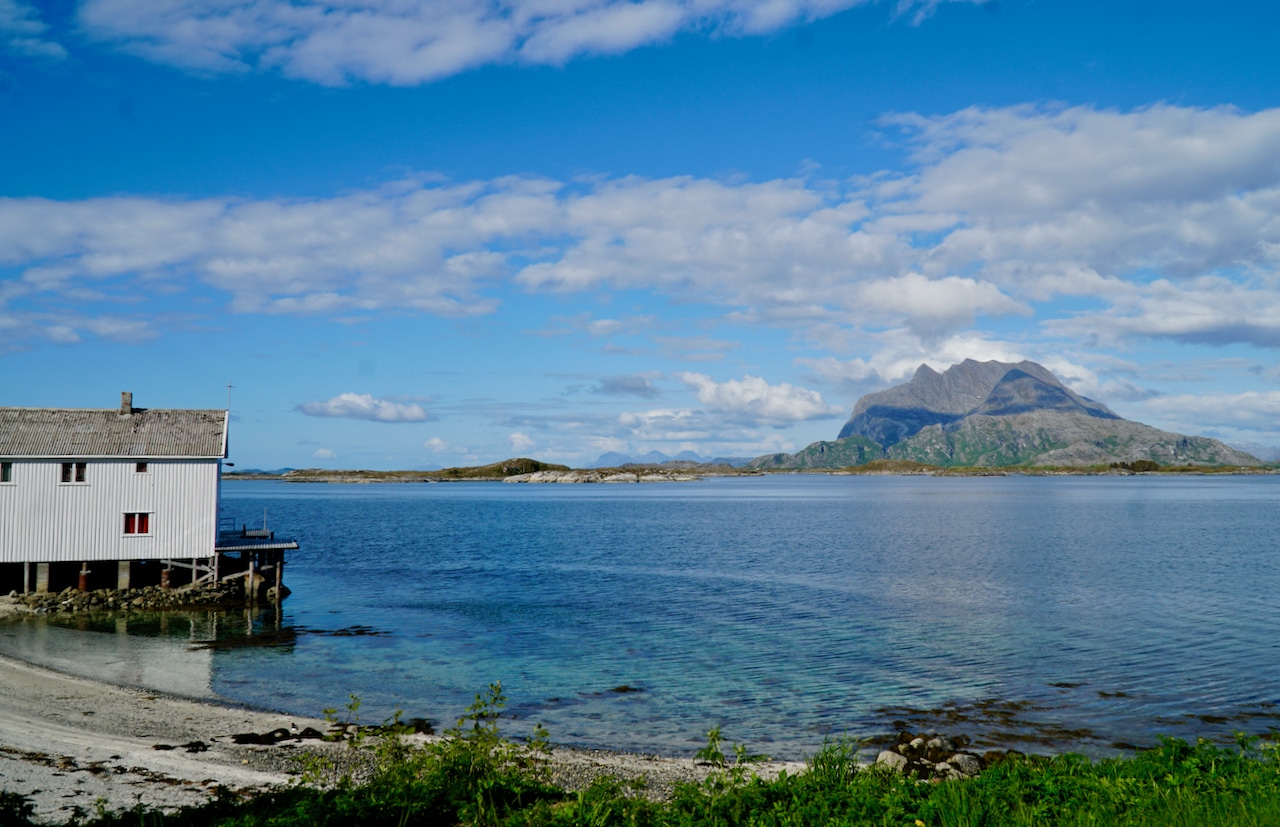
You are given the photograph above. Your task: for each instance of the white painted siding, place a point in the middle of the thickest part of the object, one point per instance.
(44, 520)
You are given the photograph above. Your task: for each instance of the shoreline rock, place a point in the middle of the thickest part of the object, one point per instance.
(148, 598)
(603, 476)
(936, 757)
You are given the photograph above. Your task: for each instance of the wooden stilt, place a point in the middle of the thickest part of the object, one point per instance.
(26, 577)
(83, 584)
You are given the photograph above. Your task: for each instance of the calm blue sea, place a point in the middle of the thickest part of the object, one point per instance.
(1037, 612)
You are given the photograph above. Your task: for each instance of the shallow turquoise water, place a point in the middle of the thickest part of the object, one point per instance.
(784, 609)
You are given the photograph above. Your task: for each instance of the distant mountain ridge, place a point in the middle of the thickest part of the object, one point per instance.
(996, 414)
(613, 459)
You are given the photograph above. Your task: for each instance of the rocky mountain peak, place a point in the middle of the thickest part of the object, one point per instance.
(971, 387)
(994, 415)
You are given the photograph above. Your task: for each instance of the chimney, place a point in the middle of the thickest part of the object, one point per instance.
(126, 403)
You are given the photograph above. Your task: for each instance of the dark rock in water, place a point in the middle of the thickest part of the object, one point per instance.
(420, 726)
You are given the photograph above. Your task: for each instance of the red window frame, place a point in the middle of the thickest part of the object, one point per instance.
(137, 522)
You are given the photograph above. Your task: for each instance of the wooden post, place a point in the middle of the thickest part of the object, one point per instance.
(279, 576)
(83, 583)
(42, 578)
(251, 588)
(123, 570)
(164, 578)
(26, 577)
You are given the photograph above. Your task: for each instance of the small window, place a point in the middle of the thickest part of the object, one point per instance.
(137, 523)
(66, 471)
(6, 472)
(74, 471)
(140, 467)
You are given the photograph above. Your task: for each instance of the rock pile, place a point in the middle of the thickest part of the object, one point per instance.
(604, 475)
(937, 757)
(150, 598)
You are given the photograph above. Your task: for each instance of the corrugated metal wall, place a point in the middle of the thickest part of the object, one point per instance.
(43, 520)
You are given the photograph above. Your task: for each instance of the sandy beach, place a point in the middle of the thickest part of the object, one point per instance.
(68, 743)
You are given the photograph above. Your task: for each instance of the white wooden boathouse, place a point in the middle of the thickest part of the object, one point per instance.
(109, 497)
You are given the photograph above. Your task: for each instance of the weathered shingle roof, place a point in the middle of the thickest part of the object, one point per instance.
(84, 433)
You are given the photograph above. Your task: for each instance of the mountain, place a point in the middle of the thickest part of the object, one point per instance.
(1266, 453)
(995, 414)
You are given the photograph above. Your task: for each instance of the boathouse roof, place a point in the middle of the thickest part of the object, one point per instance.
(87, 433)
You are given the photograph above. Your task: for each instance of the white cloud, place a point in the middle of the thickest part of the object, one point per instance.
(898, 353)
(667, 425)
(22, 32)
(1007, 211)
(1208, 310)
(933, 308)
(1039, 192)
(1252, 414)
(753, 399)
(439, 446)
(520, 441)
(403, 43)
(364, 406)
(324, 453)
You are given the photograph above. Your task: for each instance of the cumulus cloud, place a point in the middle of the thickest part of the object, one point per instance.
(668, 425)
(1037, 192)
(439, 446)
(23, 33)
(520, 441)
(1251, 413)
(402, 43)
(365, 406)
(752, 398)
(1162, 222)
(1209, 310)
(324, 453)
(898, 353)
(932, 308)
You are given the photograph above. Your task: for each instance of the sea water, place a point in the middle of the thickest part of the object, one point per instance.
(1042, 613)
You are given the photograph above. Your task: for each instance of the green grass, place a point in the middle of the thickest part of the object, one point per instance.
(474, 777)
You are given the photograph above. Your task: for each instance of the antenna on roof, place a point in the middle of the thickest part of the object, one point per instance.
(229, 387)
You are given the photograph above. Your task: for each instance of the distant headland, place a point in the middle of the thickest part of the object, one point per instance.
(975, 418)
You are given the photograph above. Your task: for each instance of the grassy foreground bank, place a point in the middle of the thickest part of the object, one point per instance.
(475, 777)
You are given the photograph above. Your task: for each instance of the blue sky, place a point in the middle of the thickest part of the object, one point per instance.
(441, 233)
